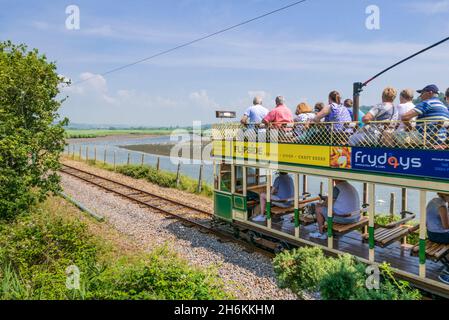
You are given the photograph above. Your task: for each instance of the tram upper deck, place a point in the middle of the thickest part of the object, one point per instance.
(381, 152)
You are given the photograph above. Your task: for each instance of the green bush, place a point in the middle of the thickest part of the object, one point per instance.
(162, 275)
(35, 251)
(301, 269)
(341, 278)
(31, 135)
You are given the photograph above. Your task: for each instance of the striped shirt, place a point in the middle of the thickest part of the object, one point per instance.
(432, 109)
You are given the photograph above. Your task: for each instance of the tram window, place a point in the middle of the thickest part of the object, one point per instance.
(225, 177)
(239, 180)
(217, 169)
(255, 177)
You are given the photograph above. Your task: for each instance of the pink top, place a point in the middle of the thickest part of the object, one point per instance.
(280, 114)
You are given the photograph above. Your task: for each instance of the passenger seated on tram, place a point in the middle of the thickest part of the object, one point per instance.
(334, 112)
(432, 112)
(447, 97)
(378, 133)
(255, 113)
(349, 104)
(346, 207)
(279, 115)
(304, 115)
(282, 192)
(319, 106)
(438, 219)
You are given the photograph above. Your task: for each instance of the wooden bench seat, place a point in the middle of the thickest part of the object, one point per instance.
(279, 211)
(434, 251)
(341, 229)
(386, 236)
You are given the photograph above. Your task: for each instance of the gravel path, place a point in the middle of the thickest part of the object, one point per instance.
(246, 275)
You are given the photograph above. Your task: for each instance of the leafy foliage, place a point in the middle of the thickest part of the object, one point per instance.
(341, 278)
(36, 249)
(30, 142)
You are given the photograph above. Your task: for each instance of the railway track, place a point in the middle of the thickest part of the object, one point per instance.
(186, 214)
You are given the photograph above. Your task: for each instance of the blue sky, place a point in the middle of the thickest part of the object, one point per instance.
(302, 53)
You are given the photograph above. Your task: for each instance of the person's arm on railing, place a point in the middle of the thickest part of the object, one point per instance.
(323, 113)
(409, 116)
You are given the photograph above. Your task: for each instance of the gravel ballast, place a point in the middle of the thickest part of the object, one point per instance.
(246, 275)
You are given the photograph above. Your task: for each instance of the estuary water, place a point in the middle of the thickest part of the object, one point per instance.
(192, 168)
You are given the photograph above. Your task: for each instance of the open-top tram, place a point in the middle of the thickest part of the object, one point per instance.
(247, 157)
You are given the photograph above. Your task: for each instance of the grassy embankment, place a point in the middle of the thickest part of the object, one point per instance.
(161, 178)
(95, 133)
(36, 250)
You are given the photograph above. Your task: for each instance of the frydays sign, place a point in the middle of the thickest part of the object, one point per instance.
(425, 163)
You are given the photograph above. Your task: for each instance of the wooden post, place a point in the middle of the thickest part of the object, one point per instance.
(268, 205)
(95, 155)
(142, 160)
(321, 188)
(114, 160)
(304, 184)
(372, 211)
(178, 174)
(80, 154)
(330, 213)
(73, 153)
(392, 204)
(404, 202)
(158, 164)
(200, 179)
(129, 158)
(105, 156)
(296, 185)
(87, 153)
(422, 234)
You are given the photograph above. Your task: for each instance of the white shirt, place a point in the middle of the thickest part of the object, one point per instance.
(403, 108)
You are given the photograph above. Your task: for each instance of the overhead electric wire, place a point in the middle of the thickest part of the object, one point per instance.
(194, 41)
(364, 84)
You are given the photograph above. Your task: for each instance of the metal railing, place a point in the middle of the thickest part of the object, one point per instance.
(388, 134)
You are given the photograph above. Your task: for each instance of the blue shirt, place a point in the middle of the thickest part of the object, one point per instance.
(256, 113)
(361, 115)
(284, 186)
(434, 223)
(432, 109)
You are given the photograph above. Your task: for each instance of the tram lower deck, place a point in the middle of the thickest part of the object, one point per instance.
(245, 169)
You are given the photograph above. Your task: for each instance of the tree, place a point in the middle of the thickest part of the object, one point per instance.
(31, 136)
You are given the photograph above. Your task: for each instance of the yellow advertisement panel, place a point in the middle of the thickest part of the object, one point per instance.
(274, 152)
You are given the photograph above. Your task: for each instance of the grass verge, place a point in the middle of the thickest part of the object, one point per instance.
(41, 252)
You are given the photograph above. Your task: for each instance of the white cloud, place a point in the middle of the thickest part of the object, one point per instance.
(93, 85)
(202, 99)
(430, 7)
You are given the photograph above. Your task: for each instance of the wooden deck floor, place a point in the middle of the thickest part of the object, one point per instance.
(397, 255)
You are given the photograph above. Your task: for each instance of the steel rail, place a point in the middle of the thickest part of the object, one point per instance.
(203, 226)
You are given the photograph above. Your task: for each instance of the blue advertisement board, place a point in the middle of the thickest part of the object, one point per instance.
(424, 163)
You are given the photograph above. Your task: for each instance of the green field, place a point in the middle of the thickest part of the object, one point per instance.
(95, 133)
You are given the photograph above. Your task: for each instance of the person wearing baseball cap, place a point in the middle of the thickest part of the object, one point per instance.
(431, 107)
(430, 113)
